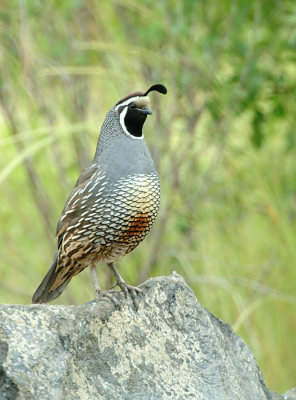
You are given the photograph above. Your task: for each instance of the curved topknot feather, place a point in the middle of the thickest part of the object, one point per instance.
(157, 88)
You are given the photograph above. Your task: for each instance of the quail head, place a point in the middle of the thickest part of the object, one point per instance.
(113, 204)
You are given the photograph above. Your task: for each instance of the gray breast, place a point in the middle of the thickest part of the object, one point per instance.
(126, 156)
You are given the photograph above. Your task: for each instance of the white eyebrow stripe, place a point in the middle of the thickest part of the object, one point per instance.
(126, 102)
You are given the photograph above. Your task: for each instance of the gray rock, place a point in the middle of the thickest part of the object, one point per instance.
(276, 396)
(290, 395)
(171, 348)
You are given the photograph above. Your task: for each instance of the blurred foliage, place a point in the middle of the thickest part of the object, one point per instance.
(223, 140)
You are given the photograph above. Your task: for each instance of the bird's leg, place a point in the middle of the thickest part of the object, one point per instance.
(124, 286)
(98, 291)
(96, 282)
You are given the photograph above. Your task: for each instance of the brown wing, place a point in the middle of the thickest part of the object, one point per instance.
(74, 241)
(80, 200)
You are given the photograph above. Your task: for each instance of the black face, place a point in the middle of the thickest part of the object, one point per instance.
(134, 119)
(133, 110)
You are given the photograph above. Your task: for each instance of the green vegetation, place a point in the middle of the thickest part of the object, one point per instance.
(223, 140)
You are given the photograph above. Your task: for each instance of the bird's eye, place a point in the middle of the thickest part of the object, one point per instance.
(132, 105)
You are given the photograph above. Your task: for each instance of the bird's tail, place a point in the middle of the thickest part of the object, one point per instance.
(43, 294)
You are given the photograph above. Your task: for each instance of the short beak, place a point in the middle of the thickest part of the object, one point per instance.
(146, 110)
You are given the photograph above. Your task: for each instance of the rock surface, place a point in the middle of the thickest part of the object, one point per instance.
(290, 395)
(171, 348)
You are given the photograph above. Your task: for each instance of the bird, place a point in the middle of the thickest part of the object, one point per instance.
(113, 205)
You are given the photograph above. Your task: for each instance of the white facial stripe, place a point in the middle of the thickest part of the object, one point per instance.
(126, 102)
(121, 119)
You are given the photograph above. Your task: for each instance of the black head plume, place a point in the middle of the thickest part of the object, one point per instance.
(158, 88)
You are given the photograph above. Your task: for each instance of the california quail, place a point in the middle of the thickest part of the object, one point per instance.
(113, 204)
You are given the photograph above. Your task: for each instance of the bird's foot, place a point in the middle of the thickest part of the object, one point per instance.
(107, 293)
(129, 290)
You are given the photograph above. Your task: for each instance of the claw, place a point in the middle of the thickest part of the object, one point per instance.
(108, 294)
(132, 290)
(127, 289)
